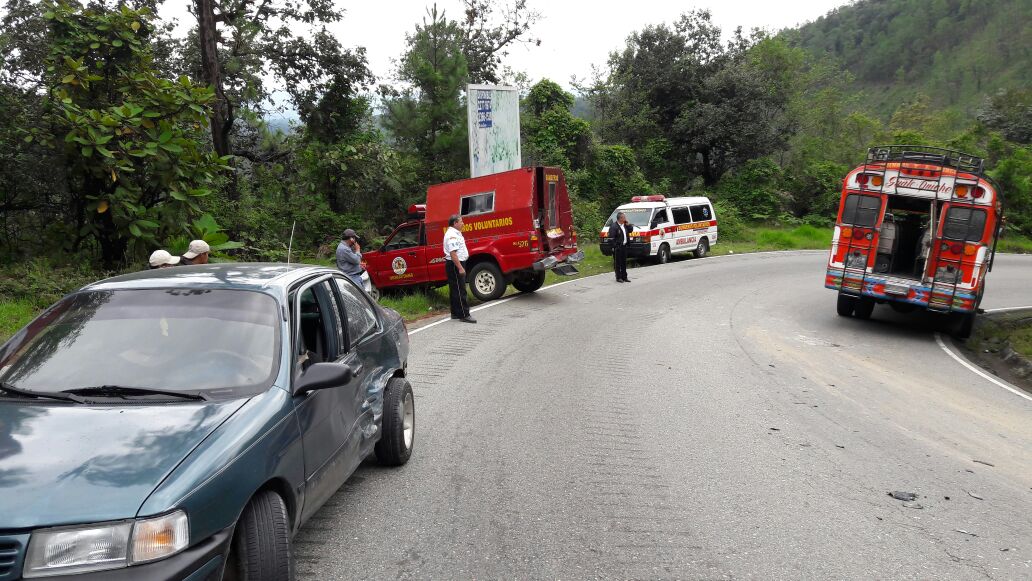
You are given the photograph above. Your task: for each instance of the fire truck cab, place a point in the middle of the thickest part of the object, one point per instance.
(517, 224)
(917, 229)
(665, 226)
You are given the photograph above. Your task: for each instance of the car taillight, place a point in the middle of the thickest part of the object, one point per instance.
(978, 192)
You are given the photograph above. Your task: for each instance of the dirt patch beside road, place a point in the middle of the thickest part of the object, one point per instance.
(1002, 344)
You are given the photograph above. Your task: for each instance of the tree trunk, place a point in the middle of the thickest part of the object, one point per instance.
(221, 116)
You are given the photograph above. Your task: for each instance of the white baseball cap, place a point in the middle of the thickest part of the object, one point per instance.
(161, 258)
(197, 247)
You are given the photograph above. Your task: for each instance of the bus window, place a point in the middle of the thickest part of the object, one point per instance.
(861, 210)
(965, 224)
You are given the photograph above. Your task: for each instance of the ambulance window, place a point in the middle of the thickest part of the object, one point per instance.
(478, 204)
(701, 213)
(861, 210)
(682, 215)
(553, 206)
(660, 218)
(964, 224)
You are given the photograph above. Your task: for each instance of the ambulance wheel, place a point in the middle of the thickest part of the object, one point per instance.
(663, 256)
(863, 309)
(486, 281)
(845, 305)
(530, 282)
(702, 249)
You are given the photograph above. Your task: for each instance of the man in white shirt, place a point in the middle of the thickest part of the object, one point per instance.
(456, 254)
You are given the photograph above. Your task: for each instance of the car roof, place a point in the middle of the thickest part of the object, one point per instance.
(235, 275)
(683, 201)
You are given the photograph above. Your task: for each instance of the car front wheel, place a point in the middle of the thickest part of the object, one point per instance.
(261, 548)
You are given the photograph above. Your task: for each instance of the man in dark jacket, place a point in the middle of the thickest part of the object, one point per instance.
(620, 234)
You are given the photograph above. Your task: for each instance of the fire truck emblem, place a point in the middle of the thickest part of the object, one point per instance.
(399, 265)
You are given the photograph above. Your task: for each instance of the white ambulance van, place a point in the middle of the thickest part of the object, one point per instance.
(665, 226)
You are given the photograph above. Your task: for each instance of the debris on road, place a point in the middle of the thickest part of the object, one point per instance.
(984, 462)
(913, 505)
(905, 496)
(973, 495)
(837, 446)
(774, 429)
(962, 531)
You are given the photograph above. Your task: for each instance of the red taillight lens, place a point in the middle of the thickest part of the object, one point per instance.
(957, 248)
(858, 234)
(978, 193)
(862, 179)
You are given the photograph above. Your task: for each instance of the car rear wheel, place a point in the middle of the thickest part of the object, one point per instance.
(399, 423)
(486, 281)
(530, 282)
(845, 305)
(663, 256)
(261, 548)
(864, 308)
(702, 249)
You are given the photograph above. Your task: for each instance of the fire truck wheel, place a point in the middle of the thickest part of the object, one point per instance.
(529, 283)
(702, 249)
(863, 309)
(486, 281)
(663, 256)
(845, 305)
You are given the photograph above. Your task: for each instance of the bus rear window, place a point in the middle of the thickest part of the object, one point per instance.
(861, 210)
(965, 224)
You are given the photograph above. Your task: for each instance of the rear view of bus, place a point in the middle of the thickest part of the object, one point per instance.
(917, 229)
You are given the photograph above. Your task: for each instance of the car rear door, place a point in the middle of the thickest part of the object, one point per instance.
(326, 417)
(555, 209)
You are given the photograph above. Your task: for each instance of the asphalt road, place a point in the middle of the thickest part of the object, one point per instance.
(713, 419)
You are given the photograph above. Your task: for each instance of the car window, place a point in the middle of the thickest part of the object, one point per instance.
(701, 213)
(966, 224)
(359, 314)
(478, 204)
(173, 339)
(405, 237)
(660, 218)
(682, 215)
(320, 332)
(860, 210)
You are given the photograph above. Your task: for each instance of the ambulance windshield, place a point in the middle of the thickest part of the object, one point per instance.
(638, 217)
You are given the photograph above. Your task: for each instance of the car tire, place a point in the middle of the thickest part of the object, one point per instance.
(399, 424)
(486, 281)
(864, 308)
(702, 249)
(663, 255)
(845, 305)
(529, 283)
(261, 549)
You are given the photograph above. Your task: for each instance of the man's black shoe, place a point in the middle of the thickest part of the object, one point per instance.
(469, 320)
(627, 280)
(619, 280)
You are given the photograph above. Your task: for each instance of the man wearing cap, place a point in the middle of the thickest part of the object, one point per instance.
(455, 255)
(162, 259)
(197, 253)
(349, 257)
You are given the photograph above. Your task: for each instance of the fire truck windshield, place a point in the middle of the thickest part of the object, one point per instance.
(638, 217)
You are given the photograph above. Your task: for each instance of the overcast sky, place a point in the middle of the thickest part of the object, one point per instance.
(574, 33)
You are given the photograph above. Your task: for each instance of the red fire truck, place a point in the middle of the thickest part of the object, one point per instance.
(917, 229)
(518, 226)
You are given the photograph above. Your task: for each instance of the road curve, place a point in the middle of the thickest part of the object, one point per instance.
(712, 419)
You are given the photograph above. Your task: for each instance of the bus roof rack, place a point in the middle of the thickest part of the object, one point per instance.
(927, 155)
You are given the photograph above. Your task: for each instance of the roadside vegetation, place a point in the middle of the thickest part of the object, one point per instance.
(1002, 343)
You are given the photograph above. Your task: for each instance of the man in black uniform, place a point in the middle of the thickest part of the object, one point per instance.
(619, 233)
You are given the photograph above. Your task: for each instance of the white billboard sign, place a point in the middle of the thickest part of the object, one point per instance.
(494, 129)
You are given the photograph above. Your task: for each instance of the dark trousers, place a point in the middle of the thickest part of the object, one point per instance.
(457, 290)
(620, 261)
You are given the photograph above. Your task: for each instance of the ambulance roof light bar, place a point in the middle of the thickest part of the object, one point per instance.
(648, 199)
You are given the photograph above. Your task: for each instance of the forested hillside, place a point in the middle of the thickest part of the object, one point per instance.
(954, 51)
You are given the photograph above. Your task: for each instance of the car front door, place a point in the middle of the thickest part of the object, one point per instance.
(403, 260)
(327, 417)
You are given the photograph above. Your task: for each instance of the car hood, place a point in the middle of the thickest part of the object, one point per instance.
(67, 464)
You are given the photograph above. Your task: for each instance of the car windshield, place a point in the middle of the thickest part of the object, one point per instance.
(170, 339)
(638, 217)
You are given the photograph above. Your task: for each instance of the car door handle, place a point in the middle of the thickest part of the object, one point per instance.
(356, 368)
(411, 253)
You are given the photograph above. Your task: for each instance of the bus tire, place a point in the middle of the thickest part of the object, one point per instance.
(663, 255)
(702, 249)
(845, 305)
(486, 281)
(963, 325)
(529, 282)
(864, 308)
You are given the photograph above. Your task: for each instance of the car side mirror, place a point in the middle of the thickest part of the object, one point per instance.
(322, 376)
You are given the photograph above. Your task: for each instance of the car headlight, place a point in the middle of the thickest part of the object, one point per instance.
(69, 550)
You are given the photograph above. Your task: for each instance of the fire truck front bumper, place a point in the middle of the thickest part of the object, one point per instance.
(944, 297)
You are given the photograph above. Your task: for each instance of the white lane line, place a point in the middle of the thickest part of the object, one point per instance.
(977, 371)
(1004, 310)
(558, 284)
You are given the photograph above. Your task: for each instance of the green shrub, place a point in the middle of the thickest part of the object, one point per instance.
(729, 221)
